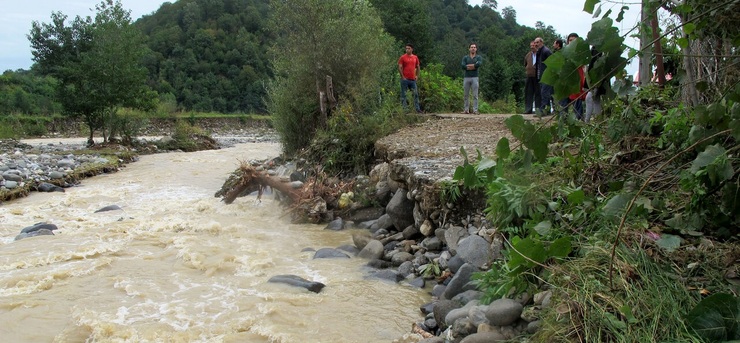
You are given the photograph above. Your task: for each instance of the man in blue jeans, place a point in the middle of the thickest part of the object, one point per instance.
(470, 63)
(409, 68)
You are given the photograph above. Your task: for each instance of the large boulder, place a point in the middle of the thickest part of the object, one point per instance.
(401, 210)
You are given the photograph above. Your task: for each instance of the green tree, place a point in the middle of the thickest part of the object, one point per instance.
(341, 39)
(98, 64)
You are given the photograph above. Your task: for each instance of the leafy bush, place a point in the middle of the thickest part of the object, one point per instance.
(439, 93)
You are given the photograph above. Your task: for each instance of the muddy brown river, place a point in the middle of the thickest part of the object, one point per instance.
(178, 265)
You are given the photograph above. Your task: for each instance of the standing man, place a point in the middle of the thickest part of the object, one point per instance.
(409, 68)
(531, 87)
(470, 63)
(545, 90)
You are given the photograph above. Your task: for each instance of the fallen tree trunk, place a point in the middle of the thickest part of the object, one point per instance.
(252, 180)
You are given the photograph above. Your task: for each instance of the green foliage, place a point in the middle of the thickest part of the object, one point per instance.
(534, 139)
(431, 270)
(26, 93)
(523, 259)
(97, 63)
(129, 123)
(340, 39)
(439, 93)
(716, 318)
(185, 137)
(346, 145)
(211, 55)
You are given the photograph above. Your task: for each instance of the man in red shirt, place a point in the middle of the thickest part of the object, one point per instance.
(409, 68)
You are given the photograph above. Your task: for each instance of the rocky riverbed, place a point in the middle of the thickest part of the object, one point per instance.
(52, 164)
(412, 238)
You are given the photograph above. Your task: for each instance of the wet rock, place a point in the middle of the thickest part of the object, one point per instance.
(40, 232)
(39, 226)
(441, 309)
(335, 225)
(373, 250)
(475, 250)
(360, 240)
(461, 281)
(400, 209)
(503, 312)
(298, 281)
(109, 208)
(484, 337)
(387, 274)
(48, 187)
(329, 253)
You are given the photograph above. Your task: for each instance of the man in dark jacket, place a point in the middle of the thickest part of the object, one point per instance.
(545, 90)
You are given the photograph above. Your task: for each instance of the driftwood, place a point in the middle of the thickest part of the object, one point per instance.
(315, 201)
(254, 180)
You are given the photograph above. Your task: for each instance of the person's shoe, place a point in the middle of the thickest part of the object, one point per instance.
(528, 112)
(464, 112)
(475, 112)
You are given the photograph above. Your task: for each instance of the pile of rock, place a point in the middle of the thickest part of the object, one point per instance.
(416, 241)
(42, 168)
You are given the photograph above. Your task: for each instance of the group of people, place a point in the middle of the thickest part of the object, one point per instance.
(538, 96)
(409, 68)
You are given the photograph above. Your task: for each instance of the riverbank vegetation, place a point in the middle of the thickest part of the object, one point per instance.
(630, 220)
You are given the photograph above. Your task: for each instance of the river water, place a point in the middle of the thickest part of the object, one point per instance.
(178, 265)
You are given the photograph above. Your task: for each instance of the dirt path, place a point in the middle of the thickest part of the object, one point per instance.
(432, 149)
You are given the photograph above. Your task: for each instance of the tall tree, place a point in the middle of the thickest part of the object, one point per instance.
(341, 39)
(97, 63)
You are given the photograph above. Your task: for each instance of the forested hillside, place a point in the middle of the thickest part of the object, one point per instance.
(212, 55)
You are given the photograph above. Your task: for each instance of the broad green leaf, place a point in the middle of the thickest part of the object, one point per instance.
(459, 173)
(627, 313)
(618, 324)
(502, 148)
(485, 164)
(689, 28)
(561, 247)
(534, 251)
(620, 16)
(683, 42)
(707, 157)
(589, 5)
(464, 154)
(669, 242)
(716, 318)
(543, 227)
(516, 124)
(645, 203)
(470, 179)
(616, 205)
(576, 197)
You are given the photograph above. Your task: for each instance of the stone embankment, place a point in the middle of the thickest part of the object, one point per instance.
(427, 242)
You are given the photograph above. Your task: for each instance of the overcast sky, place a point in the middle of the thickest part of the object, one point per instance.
(16, 16)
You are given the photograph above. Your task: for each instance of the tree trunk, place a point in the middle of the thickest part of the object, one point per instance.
(689, 95)
(645, 71)
(658, 49)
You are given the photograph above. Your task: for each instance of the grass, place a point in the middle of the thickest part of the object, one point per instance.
(647, 303)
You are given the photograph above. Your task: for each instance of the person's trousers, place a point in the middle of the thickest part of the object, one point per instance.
(546, 99)
(409, 85)
(593, 106)
(530, 89)
(470, 84)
